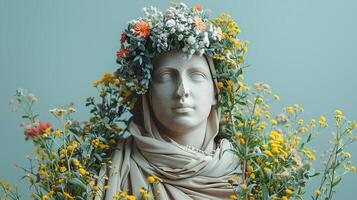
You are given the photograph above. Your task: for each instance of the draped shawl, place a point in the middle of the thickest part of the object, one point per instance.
(187, 174)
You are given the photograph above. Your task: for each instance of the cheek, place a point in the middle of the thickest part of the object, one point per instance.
(161, 95)
(204, 93)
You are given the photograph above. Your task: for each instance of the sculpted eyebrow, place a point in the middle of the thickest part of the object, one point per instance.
(199, 69)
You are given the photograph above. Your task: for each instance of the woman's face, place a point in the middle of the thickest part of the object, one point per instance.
(182, 91)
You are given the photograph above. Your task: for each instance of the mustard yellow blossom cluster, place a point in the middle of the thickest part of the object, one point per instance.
(233, 45)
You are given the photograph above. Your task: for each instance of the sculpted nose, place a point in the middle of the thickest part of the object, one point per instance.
(182, 89)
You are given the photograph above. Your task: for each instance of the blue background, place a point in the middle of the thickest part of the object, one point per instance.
(305, 49)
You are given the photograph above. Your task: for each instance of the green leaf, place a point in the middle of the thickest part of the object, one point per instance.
(315, 174)
(77, 182)
(265, 193)
(339, 150)
(336, 182)
(309, 138)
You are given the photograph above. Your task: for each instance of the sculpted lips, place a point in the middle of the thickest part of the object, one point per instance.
(182, 108)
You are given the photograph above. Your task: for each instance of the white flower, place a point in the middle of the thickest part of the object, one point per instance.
(31, 97)
(170, 23)
(185, 49)
(197, 30)
(180, 37)
(191, 40)
(205, 39)
(180, 27)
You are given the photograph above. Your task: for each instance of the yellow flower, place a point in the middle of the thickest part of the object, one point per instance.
(275, 150)
(267, 170)
(56, 133)
(260, 100)
(353, 168)
(273, 122)
(245, 49)
(142, 190)
(70, 148)
(284, 198)
(243, 186)
(96, 83)
(150, 179)
(346, 155)
(300, 122)
(276, 97)
(288, 191)
(95, 188)
(233, 197)
(37, 150)
(317, 192)
(267, 152)
(147, 196)
(76, 163)
(130, 197)
(67, 195)
(250, 169)
(290, 110)
(82, 171)
(322, 121)
(219, 84)
(252, 176)
(62, 169)
(338, 112)
(313, 122)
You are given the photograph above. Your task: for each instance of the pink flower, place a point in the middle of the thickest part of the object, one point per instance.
(32, 132)
(45, 127)
(199, 23)
(38, 128)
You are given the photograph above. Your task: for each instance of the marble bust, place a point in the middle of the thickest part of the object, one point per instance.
(172, 136)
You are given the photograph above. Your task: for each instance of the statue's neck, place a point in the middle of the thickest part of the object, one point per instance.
(193, 136)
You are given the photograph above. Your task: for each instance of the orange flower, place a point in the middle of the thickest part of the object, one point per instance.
(199, 23)
(142, 28)
(122, 52)
(198, 8)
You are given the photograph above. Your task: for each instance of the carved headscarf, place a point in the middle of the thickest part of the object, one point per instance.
(187, 174)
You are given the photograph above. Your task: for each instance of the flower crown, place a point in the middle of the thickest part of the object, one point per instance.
(179, 27)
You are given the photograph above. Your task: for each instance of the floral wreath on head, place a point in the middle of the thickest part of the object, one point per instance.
(180, 27)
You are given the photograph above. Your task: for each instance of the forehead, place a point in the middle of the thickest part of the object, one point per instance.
(177, 60)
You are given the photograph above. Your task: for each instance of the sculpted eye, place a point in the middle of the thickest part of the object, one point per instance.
(198, 76)
(165, 76)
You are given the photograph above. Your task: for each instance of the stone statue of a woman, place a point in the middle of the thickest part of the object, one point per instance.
(168, 59)
(173, 136)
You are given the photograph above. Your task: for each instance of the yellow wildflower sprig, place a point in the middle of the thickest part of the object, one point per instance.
(337, 158)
